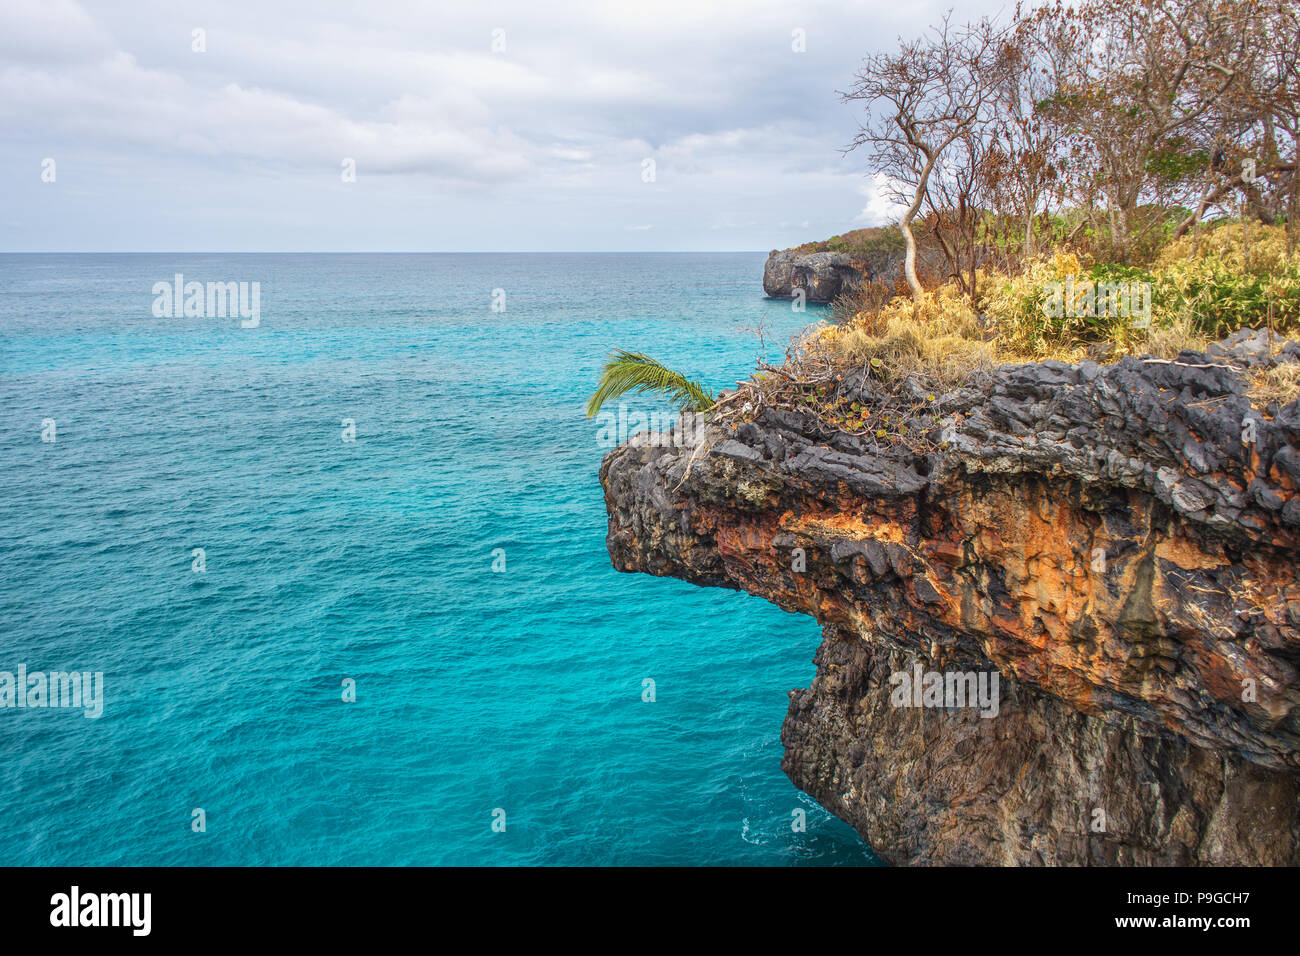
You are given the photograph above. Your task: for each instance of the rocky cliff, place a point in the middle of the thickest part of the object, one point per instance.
(1116, 544)
(864, 255)
(822, 275)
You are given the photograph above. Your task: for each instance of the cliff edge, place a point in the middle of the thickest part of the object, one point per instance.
(1111, 550)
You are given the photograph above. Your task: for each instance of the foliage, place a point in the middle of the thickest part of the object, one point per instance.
(637, 372)
(1071, 171)
(1201, 288)
(1129, 121)
(937, 334)
(872, 245)
(1233, 276)
(1208, 286)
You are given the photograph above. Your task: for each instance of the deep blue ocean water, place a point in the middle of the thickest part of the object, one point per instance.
(371, 560)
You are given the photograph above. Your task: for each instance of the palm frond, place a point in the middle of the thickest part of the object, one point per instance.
(636, 372)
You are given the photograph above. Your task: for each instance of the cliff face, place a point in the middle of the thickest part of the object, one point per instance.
(822, 275)
(1116, 544)
(874, 255)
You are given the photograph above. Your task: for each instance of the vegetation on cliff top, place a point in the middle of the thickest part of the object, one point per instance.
(1200, 287)
(1065, 306)
(1127, 122)
(869, 244)
(1117, 177)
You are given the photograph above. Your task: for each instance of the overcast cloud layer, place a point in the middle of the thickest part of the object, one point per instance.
(539, 146)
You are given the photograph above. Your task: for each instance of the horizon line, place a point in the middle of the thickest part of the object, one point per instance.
(360, 252)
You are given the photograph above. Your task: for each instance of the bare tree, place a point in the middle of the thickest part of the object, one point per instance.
(952, 200)
(921, 100)
(1132, 80)
(1021, 179)
(1112, 119)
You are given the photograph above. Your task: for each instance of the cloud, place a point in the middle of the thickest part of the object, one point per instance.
(113, 100)
(52, 32)
(882, 203)
(454, 143)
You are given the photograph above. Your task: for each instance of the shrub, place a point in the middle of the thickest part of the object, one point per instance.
(1201, 288)
(1230, 277)
(1017, 304)
(939, 336)
(1206, 286)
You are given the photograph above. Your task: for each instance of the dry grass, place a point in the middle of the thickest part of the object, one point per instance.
(870, 296)
(1203, 288)
(916, 349)
(938, 337)
(1280, 384)
(1179, 336)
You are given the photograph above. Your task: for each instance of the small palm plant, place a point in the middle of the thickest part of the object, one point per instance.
(636, 372)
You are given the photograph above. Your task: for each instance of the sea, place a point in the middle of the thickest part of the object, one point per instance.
(337, 566)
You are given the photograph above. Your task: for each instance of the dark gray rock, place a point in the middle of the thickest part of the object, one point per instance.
(822, 275)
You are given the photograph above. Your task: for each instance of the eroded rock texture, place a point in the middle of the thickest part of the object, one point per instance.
(822, 275)
(1118, 542)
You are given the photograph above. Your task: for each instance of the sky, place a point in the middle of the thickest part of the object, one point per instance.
(394, 125)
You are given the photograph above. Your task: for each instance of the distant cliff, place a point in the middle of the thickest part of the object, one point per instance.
(828, 268)
(822, 275)
(1117, 544)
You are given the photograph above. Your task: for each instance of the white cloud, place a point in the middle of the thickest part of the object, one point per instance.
(882, 206)
(456, 146)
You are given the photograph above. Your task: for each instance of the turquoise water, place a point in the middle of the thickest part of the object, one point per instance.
(372, 560)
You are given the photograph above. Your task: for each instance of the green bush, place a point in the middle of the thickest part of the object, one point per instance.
(1230, 277)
